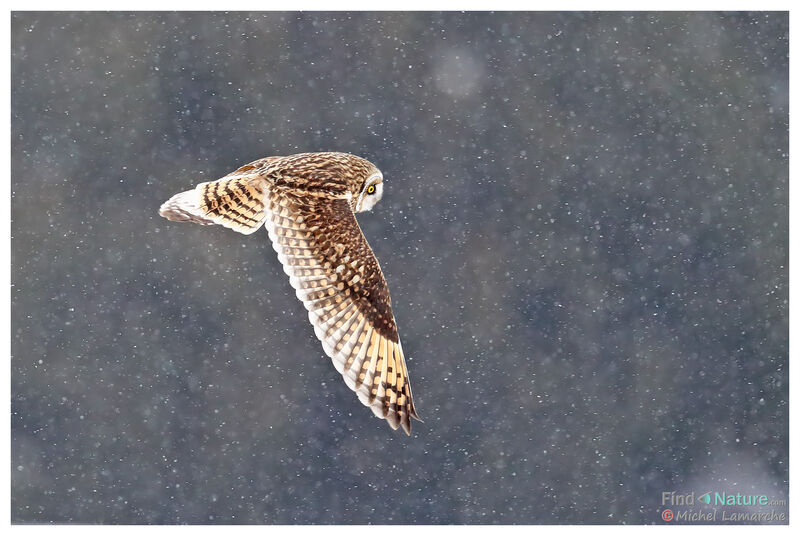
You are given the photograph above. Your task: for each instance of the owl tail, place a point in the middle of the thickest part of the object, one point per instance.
(236, 203)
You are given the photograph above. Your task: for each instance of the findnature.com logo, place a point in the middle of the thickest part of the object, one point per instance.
(715, 506)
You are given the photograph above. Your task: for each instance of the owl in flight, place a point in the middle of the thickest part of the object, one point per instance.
(308, 203)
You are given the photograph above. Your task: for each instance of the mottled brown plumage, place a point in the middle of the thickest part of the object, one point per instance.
(307, 203)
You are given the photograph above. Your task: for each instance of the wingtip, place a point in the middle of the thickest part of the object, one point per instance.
(413, 412)
(405, 420)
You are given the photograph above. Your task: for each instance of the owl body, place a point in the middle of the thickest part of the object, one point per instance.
(307, 202)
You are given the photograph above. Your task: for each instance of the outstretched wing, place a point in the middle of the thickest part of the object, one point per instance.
(235, 201)
(339, 281)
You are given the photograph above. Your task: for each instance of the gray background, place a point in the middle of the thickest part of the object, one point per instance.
(585, 232)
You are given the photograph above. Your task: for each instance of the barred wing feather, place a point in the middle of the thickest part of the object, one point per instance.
(338, 279)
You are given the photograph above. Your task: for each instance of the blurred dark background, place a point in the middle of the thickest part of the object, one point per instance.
(585, 232)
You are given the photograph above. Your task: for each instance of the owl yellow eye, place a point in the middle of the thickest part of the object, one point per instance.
(371, 189)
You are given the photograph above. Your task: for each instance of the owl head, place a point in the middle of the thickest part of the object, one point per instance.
(338, 173)
(371, 192)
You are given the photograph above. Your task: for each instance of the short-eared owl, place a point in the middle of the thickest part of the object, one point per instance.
(307, 202)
